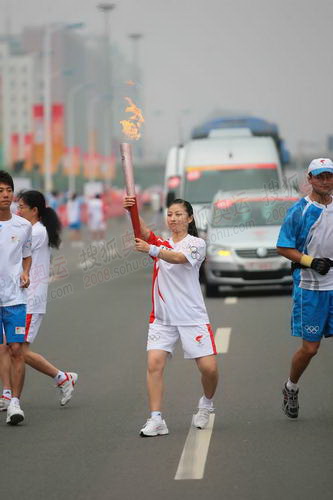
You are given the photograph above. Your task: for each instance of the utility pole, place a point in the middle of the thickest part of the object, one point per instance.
(136, 76)
(47, 100)
(106, 8)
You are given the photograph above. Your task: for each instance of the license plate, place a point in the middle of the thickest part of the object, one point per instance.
(259, 266)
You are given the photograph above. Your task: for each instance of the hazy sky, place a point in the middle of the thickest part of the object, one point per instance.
(270, 58)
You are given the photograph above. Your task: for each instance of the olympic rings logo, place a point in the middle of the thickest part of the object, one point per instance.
(154, 337)
(311, 329)
(195, 254)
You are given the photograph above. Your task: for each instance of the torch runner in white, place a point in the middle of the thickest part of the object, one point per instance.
(178, 311)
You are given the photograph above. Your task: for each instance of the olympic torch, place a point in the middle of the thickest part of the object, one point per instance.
(127, 164)
(131, 129)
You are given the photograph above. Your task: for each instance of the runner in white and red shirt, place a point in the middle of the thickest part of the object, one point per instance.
(178, 311)
(46, 229)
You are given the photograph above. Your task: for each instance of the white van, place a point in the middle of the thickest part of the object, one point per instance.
(228, 160)
(173, 173)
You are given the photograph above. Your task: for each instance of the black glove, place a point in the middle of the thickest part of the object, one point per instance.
(322, 266)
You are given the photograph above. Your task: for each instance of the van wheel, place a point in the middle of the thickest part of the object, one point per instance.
(211, 290)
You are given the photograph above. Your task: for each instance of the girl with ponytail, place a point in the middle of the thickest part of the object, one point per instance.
(178, 311)
(46, 228)
(33, 204)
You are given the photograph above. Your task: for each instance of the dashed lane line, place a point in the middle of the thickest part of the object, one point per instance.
(231, 300)
(193, 459)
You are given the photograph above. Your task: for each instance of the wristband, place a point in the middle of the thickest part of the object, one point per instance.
(306, 260)
(154, 250)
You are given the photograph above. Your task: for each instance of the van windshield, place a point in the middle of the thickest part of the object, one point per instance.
(200, 186)
(266, 212)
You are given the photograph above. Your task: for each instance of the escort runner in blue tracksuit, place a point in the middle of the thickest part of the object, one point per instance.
(306, 238)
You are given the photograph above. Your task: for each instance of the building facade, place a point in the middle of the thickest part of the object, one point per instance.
(16, 102)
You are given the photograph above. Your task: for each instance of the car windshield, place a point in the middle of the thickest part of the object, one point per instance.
(201, 185)
(266, 212)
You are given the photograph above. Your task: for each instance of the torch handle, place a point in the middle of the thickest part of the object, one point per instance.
(135, 220)
(127, 164)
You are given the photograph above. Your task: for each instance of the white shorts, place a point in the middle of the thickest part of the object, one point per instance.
(197, 340)
(32, 325)
(97, 225)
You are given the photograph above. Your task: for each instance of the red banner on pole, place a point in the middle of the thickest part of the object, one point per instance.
(57, 134)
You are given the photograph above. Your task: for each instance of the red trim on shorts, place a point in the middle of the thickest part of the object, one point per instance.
(211, 334)
(27, 326)
(155, 273)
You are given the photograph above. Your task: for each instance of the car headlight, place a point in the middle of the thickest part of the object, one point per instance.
(218, 250)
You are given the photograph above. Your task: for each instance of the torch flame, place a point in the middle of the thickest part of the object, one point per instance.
(131, 127)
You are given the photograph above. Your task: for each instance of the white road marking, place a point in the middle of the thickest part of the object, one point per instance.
(231, 300)
(193, 460)
(222, 338)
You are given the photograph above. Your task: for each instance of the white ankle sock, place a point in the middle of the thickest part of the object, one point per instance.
(60, 377)
(7, 393)
(157, 415)
(15, 400)
(205, 402)
(291, 386)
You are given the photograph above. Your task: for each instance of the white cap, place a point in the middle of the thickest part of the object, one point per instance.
(320, 165)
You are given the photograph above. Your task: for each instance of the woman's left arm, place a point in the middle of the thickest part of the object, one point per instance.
(154, 251)
(24, 278)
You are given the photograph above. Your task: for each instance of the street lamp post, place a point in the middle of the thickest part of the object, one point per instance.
(49, 31)
(107, 148)
(71, 132)
(135, 38)
(106, 9)
(47, 110)
(91, 125)
(136, 76)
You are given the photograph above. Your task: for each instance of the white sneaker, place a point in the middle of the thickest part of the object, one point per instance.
(154, 427)
(15, 414)
(201, 419)
(67, 387)
(4, 403)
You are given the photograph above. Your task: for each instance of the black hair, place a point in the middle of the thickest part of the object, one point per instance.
(46, 214)
(192, 228)
(6, 178)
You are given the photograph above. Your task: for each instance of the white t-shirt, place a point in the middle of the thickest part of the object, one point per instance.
(177, 296)
(74, 211)
(15, 244)
(95, 213)
(320, 244)
(40, 270)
